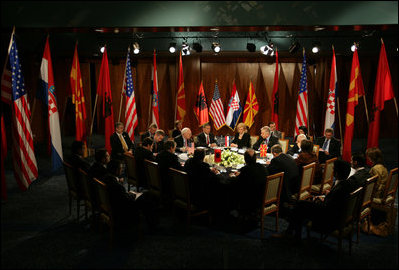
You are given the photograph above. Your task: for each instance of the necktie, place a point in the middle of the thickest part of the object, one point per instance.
(325, 144)
(124, 145)
(207, 139)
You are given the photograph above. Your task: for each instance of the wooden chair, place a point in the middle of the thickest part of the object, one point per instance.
(284, 144)
(365, 207)
(105, 208)
(345, 221)
(316, 149)
(74, 190)
(327, 179)
(132, 177)
(271, 198)
(306, 182)
(181, 190)
(88, 195)
(153, 175)
(254, 139)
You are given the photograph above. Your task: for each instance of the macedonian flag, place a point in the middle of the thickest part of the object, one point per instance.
(181, 96)
(251, 107)
(263, 150)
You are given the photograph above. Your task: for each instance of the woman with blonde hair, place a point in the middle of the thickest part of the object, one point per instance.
(242, 137)
(375, 156)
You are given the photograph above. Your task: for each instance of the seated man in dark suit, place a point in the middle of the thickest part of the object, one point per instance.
(296, 149)
(285, 163)
(330, 147)
(158, 141)
(167, 159)
(120, 142)
(265, 138)
(143, 152)
(184, 141)
(206, 138)
(249, 185)
(274, 131)
(77, 160)
(323, 211)
(150, 132)
(177, 131)
(201, 178)
(99, 168)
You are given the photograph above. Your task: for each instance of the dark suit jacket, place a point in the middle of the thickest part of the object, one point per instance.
(97, 170)
(117, 149)
(250, 187)
(276, 133)
(157, 147)
(176, 132)
(272, 141)
(77, 161)
(334, 149)
(140, 154)
(293, 150)
(145, 135)
(165, 161)
(180, 142)
(285, 163)
(244, 142)
(202, 140)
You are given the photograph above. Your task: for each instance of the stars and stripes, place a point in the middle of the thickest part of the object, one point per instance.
(329, 121)
(131, 120)
(216, 110)
(6, 85)
(302, 103)
(24, 160)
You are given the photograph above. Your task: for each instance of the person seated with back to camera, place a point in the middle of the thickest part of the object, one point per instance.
(143, 152)
(249, 185)
(76, 159)
(150, 132)
(265, 138)
(241, 138)
(296, 149)
(99, 168)
(120, 142)
(201, 179)
(184, 142)
(158, 141)
(330, 147)
(307, 156)
(206, 138)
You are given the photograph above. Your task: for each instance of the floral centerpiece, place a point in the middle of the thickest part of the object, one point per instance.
(229, 159)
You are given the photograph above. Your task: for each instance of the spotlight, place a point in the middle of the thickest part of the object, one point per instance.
(294, 47)
(172, 47)
(316, 47)
(185, 49)
(216, 47)
(354, 46)
(267, 49)
(136, 48)
(102, 49)
(251, 47)
(197, 47)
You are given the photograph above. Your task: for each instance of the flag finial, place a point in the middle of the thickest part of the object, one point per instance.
(382, 41)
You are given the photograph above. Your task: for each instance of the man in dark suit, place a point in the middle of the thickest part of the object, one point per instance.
(99, 168)
(184, 141)
(167, 159)
(284, 163)
(206, 138)
(158, 141)
(330, 147)
(296, 149)
(273, 130)
(77, 160)
(249, 186)
(150, 132)
(265, 138)
(120, 142)
(177, 131)
(143, 152)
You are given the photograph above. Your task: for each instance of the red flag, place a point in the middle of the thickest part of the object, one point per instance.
(275, 98)
(251, 107)
(78, 97)
(3, 157)
(263, 150)
(383, 91)
(201, 109)
(356, 90)
(181, 96)
(104, 91)
(154, 95)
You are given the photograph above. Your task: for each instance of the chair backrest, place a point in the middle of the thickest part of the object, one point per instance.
(153, 175)
(273, 188)
(284, 145)
(181, 190)
(350, 210)
(170, 132)
(71, 177)
(254, 139)
(368, 191)
(393, 183)
(282, 135)
(103, 197)
(306, 181)
(316, 148)
(85, 184)
(131, 166)
(328, 173)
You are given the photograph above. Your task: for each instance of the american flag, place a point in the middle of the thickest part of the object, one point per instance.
(302, 104)
(25, 166)
(216, 110)
(330, 111)
(131, 120)
(6, 86)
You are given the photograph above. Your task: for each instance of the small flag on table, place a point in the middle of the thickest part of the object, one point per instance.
(226, 140)
(263, 150)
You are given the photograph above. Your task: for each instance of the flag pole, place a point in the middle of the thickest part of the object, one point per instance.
(365, 106)
(9, 49)
(123, 84)
(92, 119)
(396, 105)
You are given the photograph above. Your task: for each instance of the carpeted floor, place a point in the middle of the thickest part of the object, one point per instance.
(38, 232)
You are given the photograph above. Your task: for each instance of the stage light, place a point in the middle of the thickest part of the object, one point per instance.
(294, 47)
(251, 47)
(197, 47)
(267, 49)
(136, 48)
(316, 47)
(354, 46)
(172, 47)
(185, 49)
(102, 49)
(216, 47)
